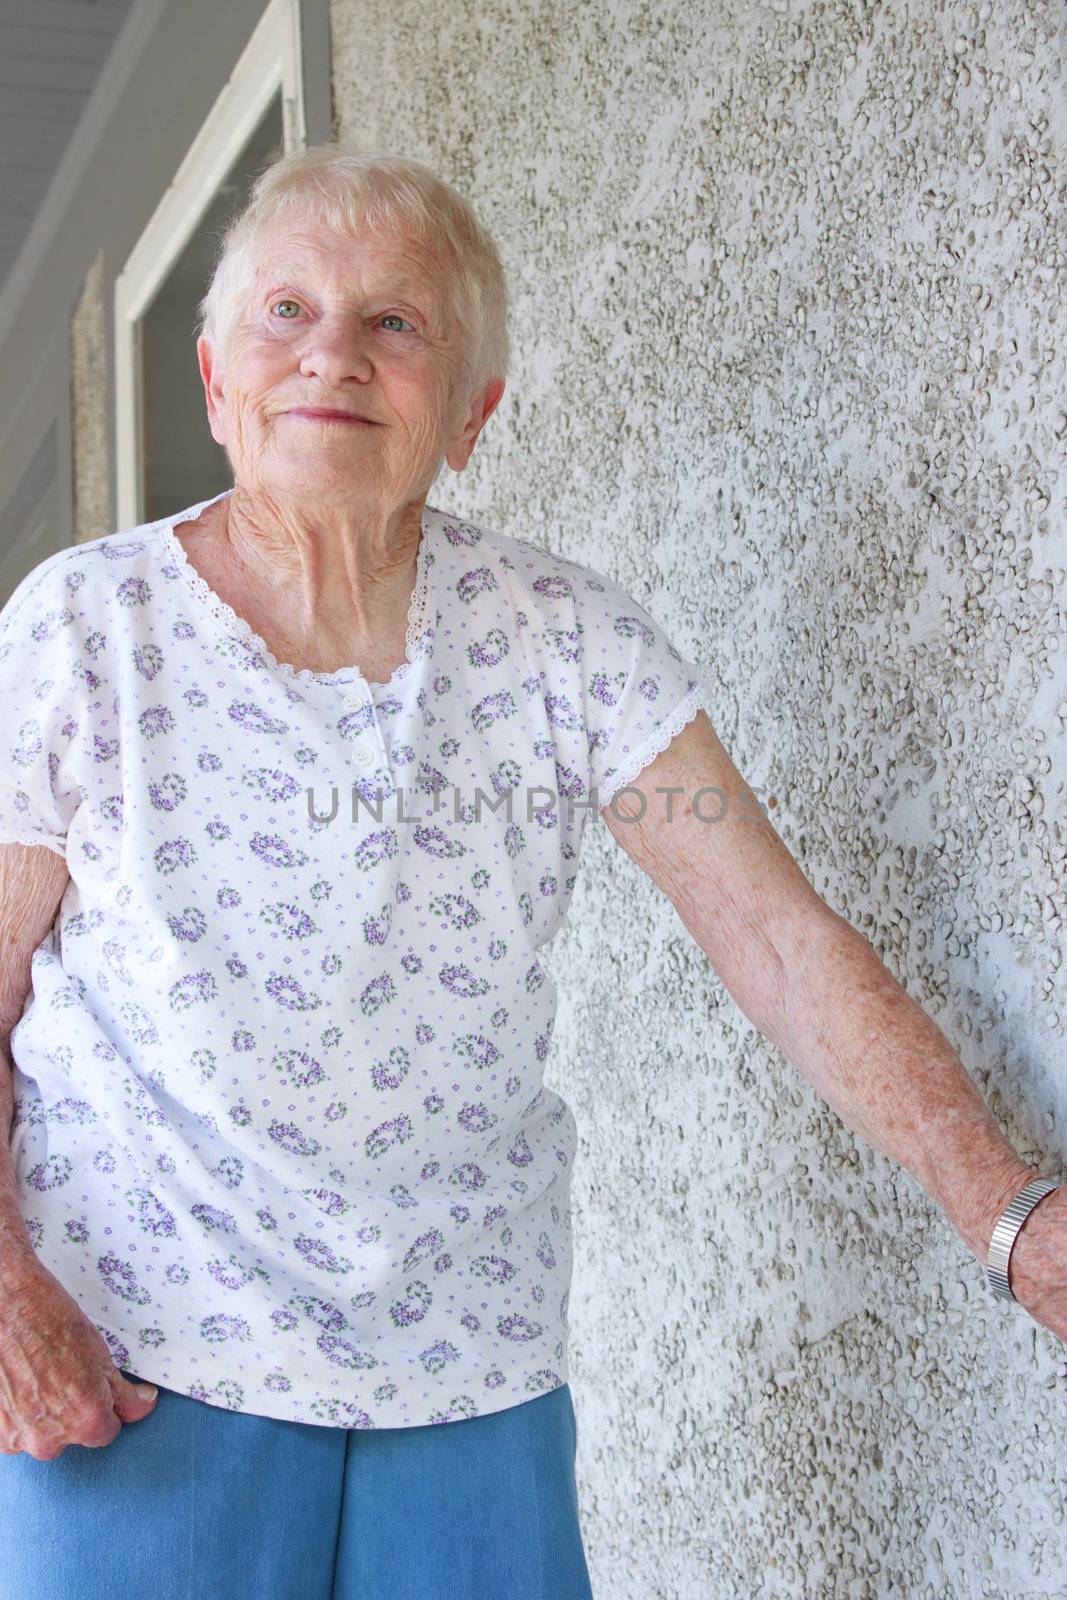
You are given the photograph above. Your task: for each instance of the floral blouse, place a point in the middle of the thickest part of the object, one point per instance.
(280, 1122)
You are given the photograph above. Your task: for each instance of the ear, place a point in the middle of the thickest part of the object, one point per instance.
(461, 445)
(214, 390)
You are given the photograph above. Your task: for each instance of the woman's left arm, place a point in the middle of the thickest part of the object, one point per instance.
(816, 988)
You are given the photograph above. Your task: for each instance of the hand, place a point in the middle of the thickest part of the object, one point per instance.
(1037, 1267)
(58, 1383)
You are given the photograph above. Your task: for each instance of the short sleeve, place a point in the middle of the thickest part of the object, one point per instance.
(39, 681)
(638, 689)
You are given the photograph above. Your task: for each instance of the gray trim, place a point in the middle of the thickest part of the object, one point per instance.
(38, 478)
(24, 543)
(72, 169)
(45, 406)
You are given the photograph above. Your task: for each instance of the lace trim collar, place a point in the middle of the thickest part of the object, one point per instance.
(418, 636)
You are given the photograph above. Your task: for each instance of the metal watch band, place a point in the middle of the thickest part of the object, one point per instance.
(1005, 1232)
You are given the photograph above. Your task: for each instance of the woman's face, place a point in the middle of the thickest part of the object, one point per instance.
(361, 326)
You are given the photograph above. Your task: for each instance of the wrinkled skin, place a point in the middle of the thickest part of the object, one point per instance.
(319, 536)
(58, 1383)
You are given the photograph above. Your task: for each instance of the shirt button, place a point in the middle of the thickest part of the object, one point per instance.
(362, 756)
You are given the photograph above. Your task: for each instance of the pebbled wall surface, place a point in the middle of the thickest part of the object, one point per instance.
(90, 419)
(791, 365)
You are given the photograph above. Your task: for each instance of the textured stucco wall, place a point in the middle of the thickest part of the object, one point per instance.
(791, 366)
(90, 434)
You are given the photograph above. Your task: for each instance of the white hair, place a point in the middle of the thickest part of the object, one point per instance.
(353, 191)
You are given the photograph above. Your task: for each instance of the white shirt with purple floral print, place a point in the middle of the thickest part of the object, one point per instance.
(280, 1122)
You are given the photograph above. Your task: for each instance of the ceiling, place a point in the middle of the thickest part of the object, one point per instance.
(51, 55)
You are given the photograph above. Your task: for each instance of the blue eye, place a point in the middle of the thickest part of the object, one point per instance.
(391, 316)
(285, 303)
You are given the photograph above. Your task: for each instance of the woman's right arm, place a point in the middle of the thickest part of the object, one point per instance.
(33, 880)
(58, 1382)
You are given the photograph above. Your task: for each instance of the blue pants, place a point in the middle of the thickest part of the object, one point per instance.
(195, 1502)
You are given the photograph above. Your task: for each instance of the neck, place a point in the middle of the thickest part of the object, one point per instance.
(350, 563)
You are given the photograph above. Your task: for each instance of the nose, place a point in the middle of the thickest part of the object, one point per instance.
(337, 351)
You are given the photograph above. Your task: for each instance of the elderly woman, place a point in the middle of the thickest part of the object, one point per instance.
(292, 795)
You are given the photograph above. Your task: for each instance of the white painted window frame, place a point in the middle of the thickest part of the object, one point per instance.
(270, 62)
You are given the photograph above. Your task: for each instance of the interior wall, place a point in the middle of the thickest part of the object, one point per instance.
(790, 365)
